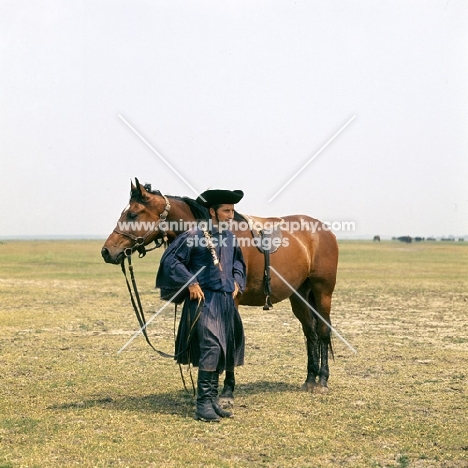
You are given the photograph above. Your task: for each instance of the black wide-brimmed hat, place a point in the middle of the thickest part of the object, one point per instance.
(220, 197)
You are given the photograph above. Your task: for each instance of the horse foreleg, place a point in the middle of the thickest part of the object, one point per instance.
(226, 398)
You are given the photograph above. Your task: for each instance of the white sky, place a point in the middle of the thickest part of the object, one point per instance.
(235, 95)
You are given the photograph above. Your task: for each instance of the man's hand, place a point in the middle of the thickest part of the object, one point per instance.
(196, 292)
(236, 290)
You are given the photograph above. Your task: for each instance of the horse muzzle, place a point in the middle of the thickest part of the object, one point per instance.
(109, 257)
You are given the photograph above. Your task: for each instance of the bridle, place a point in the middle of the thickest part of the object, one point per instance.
(139, 241)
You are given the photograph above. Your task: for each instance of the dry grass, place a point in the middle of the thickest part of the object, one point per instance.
(68, 399)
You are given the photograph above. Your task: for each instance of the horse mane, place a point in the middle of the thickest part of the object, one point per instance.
(198, 211)
(201, 212)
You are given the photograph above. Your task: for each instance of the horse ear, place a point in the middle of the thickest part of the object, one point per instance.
(139, 192)
(135, 190)
(138, 188)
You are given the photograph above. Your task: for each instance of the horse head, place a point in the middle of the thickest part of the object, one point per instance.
(138, 224)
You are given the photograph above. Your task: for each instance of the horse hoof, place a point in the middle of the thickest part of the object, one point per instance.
(314, 387)
(226, 398)
(226, 402)
(309, 387)
(321, 389)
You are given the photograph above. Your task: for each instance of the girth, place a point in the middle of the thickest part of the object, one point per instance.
(267, 239)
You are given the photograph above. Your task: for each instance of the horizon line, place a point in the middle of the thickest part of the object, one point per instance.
(104, 236)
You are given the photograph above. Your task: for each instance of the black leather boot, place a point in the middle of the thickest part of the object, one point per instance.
(214, 398)
(205, 411)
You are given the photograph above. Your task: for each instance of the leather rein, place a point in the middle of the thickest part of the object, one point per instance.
(139, 245)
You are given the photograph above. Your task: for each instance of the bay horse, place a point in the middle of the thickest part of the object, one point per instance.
(305, 268)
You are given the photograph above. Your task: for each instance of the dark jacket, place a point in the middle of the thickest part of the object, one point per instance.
(210, 336)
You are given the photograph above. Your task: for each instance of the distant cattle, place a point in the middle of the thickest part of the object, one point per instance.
(376, 238)
(406, 239)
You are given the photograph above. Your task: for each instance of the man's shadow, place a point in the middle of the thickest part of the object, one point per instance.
(175, 403)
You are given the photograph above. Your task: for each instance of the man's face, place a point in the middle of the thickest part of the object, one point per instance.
(225, 213)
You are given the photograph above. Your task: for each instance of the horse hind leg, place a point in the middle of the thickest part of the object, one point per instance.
(323, 306)
(315, 319)
(309, 327)
(313, 357)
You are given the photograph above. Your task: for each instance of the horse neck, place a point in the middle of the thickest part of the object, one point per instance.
(179, 213)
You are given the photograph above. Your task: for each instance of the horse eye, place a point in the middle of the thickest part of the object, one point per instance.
(131, 215)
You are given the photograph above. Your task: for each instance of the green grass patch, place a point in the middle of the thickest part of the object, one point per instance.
(68, 399)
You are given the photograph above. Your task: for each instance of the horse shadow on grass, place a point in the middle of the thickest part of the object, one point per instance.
(174, 403)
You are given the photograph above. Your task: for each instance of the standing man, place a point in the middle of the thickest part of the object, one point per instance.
(210, 335)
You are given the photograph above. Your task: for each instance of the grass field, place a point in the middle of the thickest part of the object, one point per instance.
(68, 399)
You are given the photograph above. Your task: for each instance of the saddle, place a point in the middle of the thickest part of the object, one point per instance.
(267, 237)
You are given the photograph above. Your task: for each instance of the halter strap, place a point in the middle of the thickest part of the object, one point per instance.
(140, 240)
